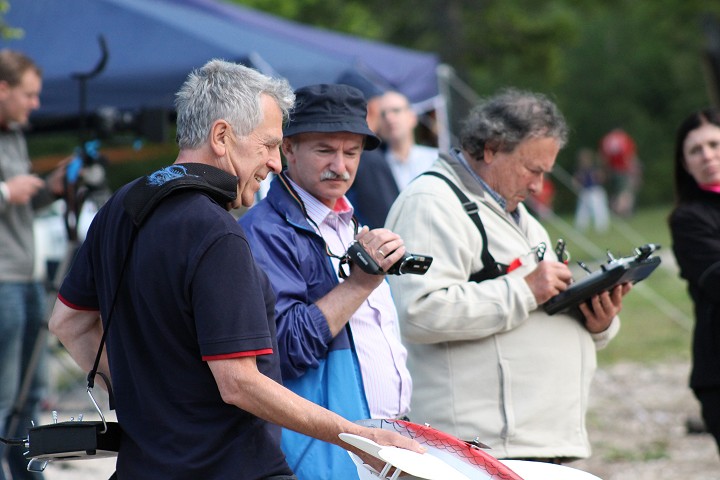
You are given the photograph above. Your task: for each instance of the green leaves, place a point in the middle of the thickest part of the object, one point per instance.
(617, 62)
(7, 31)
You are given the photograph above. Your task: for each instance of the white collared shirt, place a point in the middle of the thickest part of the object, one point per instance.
(420, 158)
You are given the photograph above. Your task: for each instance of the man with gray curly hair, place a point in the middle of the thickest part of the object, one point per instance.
(487, 362)
(192, 351)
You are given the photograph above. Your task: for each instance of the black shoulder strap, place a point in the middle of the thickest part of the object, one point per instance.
(491, 268)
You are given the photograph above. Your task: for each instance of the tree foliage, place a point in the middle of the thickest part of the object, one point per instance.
(638, 65)
(7, 31)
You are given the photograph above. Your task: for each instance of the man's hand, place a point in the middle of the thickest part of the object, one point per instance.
(390, 438)
(23, 188)
(56, 179)
(548, 279)
(338, 305)
(382, 437)
(385, 247)
(603, 308)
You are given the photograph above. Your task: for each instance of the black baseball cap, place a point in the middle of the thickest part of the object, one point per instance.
(329, 108)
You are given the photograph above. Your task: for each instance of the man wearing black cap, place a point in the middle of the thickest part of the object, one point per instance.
(337, 327)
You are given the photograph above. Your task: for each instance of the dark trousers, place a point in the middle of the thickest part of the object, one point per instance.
(710, 402)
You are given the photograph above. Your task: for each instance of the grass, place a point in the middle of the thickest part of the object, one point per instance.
(657, 315)
(646, 452)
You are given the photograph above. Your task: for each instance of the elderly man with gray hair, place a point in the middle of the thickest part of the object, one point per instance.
(487, 362)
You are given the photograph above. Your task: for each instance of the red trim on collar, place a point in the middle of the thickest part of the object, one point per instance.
(341, 206)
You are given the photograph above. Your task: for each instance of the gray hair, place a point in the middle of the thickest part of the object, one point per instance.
(229, 91)
(507, 119)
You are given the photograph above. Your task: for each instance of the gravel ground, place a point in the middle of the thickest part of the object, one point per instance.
(636, 422)
(637, 426)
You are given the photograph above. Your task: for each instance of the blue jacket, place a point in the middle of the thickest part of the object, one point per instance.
(314, 365)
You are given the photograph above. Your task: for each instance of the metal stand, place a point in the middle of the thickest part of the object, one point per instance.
(26, 385)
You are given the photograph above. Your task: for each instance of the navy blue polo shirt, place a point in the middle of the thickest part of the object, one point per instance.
(191, 293)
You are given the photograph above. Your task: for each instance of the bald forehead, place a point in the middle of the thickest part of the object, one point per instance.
(394, 99)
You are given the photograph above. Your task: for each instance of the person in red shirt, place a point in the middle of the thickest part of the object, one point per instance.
(620, 153)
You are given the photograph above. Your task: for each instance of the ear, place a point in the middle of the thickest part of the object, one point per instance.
(287, 150)
(413, 117)
(4, 88)
(219, 137)
(488, 155)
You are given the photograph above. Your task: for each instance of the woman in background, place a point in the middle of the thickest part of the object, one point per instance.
(695, 228)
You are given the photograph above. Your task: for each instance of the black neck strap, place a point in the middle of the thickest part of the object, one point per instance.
(96, 364)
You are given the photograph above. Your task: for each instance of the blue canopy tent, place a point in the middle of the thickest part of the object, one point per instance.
(153, 45)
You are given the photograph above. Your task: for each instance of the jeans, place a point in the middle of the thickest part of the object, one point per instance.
(22, 319)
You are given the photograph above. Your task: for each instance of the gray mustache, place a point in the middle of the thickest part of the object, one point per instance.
(330, 175)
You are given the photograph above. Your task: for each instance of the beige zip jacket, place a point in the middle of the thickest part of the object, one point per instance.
(486, 360)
